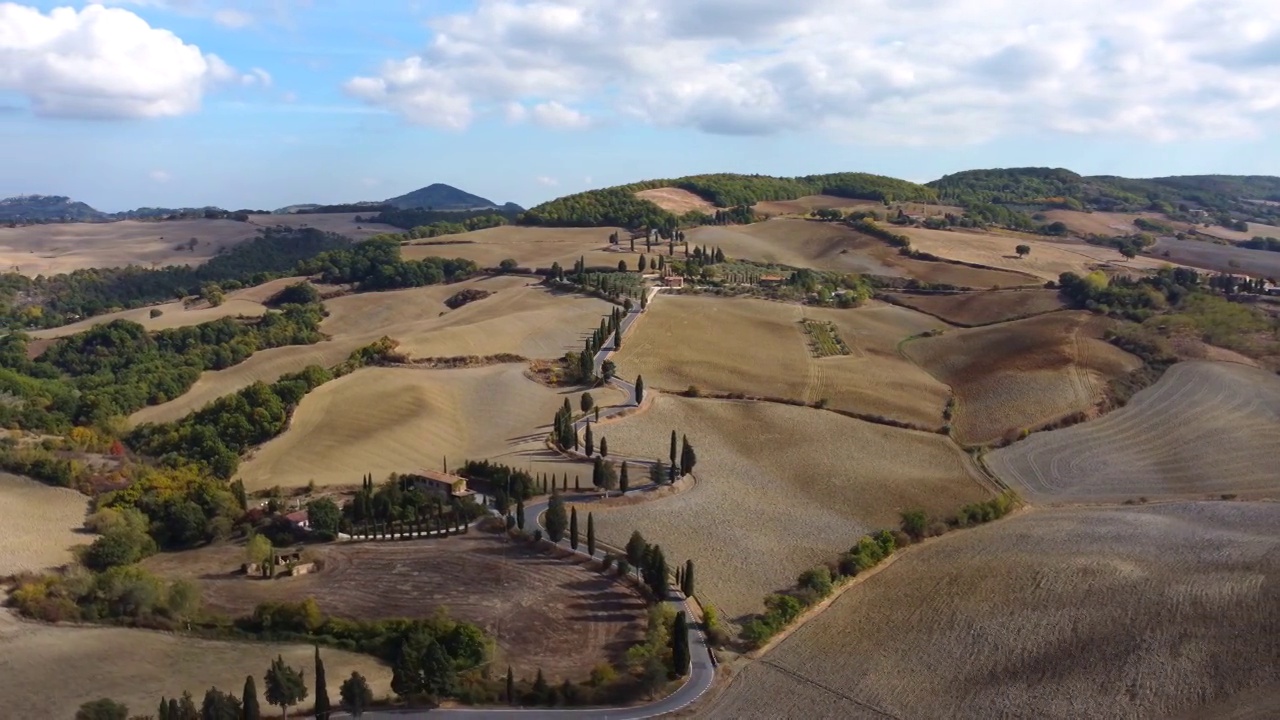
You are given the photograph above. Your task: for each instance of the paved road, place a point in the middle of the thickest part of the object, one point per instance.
(702, 673)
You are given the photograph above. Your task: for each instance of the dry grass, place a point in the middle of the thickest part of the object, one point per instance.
(1204, 429)
(1069, 613)
(341, 223)
(385, 420)
(779, 490)
(1110, 224)
(531, 247)
(675, 200)
(40, 524)
(63, 247)
(757, 347)
(543, 612)
(241, 303)
(984, 308)
(61, 667)
(1220, 258)
(1022, 374)
(1047, 260)
(518, 318)
(834, 247)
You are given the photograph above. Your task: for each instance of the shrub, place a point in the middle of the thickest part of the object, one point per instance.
(818, 580)
(156, 312)
(915, 523)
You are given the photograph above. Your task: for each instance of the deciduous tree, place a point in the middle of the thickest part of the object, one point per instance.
(220, 705)
(356, 695)
(284, 686)
(103, 709)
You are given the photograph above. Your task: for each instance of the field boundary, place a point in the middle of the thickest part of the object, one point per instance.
(888, 298)
(865, 417)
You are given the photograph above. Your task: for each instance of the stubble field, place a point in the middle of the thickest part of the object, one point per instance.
(676, 200)
(38, 525)
(837, 248)
(49, 670)
(1204, 429)
(385, 420)
(531, 247)
(528, 321)
(1065, 613)
(544, 612)
(64, 247)
(973, 309)
(758, 347)
(779, 489)
(340, 223)
(1046, 261)
(1022, 374)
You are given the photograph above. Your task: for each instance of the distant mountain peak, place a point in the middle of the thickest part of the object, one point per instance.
(438, 196)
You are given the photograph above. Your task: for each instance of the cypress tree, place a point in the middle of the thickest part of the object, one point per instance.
(597, 473)
(322, 691)
(577, 481)
(673, 447)
(511, 687)
(164, 709)
(540, 688)
(174, 712)
(680, 645)
(556, 520)
(623, 481)
(573, 527)
(591, 534)
(520, 514)
(686, 579)
(589, 444)
(604, 447)
(639, 389)
(251, 709)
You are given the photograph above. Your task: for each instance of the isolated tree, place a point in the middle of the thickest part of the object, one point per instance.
(250, 710)
(673, 447)
(322, 707)
(680, 645)
(686, 579)
(622, 265)
(586, 402)
(604, 447)
(356, 695)
(284, 686)
(103, 709)
(219, 705)
(1023, 250)
(639, 389)
(589, 443)
(591, 534)
(258, 549)
(573, 528)
(623, 481)
(511, 687)
(688, 458)
(557, 518)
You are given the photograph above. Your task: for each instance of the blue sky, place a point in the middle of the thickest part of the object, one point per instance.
(272, 102)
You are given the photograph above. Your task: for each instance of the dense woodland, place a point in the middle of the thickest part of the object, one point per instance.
(618, 206)
(376, 265)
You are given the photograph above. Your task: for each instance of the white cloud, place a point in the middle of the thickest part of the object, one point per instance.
(160, 176)
(547, 181)
(102, 63)
(910, 71)
(256, 77)
(232, 18)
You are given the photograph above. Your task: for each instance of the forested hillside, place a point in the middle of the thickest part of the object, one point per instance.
(619, 205)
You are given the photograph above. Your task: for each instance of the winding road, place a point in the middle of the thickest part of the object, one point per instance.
(702, 671)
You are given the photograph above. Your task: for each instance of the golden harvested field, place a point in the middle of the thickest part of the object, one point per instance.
(758, 347)
(385, 420)
(833, 247)
(543, 611)
(341, 223)
(1075, 613)
(63, 247)
(779, 489)
(1047, 260)
(676, 201)
(49, 670)
(40, 525)
(531, 247)
(518, 318)
(1204, 429)
(983, 308)
(1255, 230)
(1111, 224)
(246, 303)
(1022, 374)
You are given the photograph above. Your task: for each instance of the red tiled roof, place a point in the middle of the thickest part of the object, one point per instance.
(297, 516)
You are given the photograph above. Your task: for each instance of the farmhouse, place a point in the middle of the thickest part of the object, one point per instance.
(771, 280)
(673, 281)
(441, 484)
(299, 518)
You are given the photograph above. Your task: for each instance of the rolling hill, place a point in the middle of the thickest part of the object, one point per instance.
(439, 196)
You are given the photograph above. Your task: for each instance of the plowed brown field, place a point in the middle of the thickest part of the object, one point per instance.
(779, 489)
(1022, 374)
(973, 309)
(544, 612)
(39, 525)
(1204, 429)
(1066, 613)
(758, 347)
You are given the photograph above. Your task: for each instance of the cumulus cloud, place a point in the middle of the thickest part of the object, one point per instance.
(906, 71)
(104, 63)
(232, 18)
